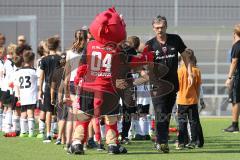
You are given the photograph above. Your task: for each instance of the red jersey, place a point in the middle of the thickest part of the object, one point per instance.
(104, 66)
(98, 75)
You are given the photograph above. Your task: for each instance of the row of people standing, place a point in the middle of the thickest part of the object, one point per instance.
(165, 47)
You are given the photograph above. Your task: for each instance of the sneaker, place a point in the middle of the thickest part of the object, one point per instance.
(231, 129)
(116, 149)
(31, 135)
(180, 147)
(55, 136)
(66, 147)
(138, 137)
(40, 136)
(85, 147)
(47, 139)
(10, 134)
(125, 141)
(75, 149)
(152, 133)
(23, 135)
(147, 137)
(18, 133)
(100, 147)
(191, 145)
(162, 148)
(91, 144)
(58, 142)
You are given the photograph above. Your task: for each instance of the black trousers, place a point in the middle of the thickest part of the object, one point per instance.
(126, 121)
(188, 113)
(163, 109)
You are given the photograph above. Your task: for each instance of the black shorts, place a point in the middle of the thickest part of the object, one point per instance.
(110, 105)
(62, 112)
(0, 94)
(234, 93)
(7, 98)
(144, 109)
(47, 106)
(24, 108)
(128, 110)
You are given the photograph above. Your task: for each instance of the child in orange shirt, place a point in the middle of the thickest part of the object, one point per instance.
(187, 100)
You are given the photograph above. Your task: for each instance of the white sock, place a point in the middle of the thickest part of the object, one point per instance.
(132, 130)
(1, 119)
(16, 123)
(138, 129)
(41, 126)
(8, 121)
(144, 125)
(149, 124)
(49, 135)
(102, 129)
(54, 127)
(4, 122)
(23, 125)
(31, 125)
(119, 126)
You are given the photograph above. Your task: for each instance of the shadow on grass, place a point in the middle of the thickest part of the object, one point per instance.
(187, 152)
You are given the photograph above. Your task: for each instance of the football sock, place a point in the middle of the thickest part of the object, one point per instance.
(132, 130)
(143, 125)
(31, 125)
(137, 127)
(8, 121)
(1, 119)
(41, 126)
(23, 125)
(16, 123)
(111, 134)
(4, 121)
(81, 131)
(102, 129)
(119, 126)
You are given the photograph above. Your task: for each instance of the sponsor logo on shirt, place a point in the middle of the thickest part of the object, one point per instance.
(167, 56)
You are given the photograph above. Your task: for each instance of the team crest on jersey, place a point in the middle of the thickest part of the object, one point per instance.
(164, 49)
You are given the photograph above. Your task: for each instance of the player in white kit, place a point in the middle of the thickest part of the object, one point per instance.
(26, 81)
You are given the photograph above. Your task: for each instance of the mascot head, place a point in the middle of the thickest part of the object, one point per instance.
(108, 26)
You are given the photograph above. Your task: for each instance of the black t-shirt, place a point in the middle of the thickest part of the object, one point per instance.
(167, 54)
(235, 53)
(48, 65)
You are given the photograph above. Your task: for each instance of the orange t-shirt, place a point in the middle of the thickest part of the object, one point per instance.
(188, 95)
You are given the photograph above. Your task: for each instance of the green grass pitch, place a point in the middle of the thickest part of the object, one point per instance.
(218, 146)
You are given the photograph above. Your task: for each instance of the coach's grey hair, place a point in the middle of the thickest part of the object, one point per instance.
(159, 19)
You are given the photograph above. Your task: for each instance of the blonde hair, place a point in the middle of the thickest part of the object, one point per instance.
(237, 29)
(11, 49)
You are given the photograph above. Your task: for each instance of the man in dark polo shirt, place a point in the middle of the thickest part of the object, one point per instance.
(233, 80)
(166, 48)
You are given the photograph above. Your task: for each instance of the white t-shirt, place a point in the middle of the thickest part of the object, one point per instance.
(1, 70)
(26, 80)
(9, 69)
(143, 94)
(73, 59)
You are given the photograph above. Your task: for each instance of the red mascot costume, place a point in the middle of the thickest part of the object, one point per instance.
(98, 96)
